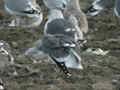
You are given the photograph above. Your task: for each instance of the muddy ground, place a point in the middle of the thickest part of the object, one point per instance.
(100, 72)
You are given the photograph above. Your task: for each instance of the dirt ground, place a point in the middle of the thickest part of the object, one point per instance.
(100, 72)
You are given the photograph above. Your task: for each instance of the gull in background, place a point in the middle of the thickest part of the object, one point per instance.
(71, 12)
(55, 4)
(117, 10)
(24, 8)
(99, 5)
(74, 13)
(56, 24)
(6, 56)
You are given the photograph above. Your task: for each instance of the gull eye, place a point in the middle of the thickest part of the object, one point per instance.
(63, 5)
(30, 11)
(35, 11)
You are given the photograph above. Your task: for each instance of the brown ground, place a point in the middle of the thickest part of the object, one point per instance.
(100, 72)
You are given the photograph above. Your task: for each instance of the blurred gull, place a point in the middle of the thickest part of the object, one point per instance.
(98, 5)
(72, 13)
(77, 16)
(55, 4)
(56, 24)
(26, 8)
(6, 57)
(117, 10)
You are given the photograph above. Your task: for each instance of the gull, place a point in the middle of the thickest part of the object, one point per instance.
(71, 12)
(55, 4)
(56, 24)
(59, 43)
(99, 5)
(24, 8)
(74, 13)
(6, 50)
(117, 10)
(60, 49)
(6, 57)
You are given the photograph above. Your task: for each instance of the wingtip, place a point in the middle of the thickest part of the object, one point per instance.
(94, 10)
(80, 67)
(29, 51)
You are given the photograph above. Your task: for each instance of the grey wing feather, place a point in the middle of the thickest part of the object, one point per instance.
(59, 26)
(53, 46)
(17, 5)
(106, 3)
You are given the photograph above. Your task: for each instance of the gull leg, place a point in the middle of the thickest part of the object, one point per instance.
(62, 66)
(12, 24)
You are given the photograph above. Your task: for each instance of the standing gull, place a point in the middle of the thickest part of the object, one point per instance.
(76, 15)
(58, 43)
(60, 49)
(56, 24)
(72, 13)
(24, 8)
